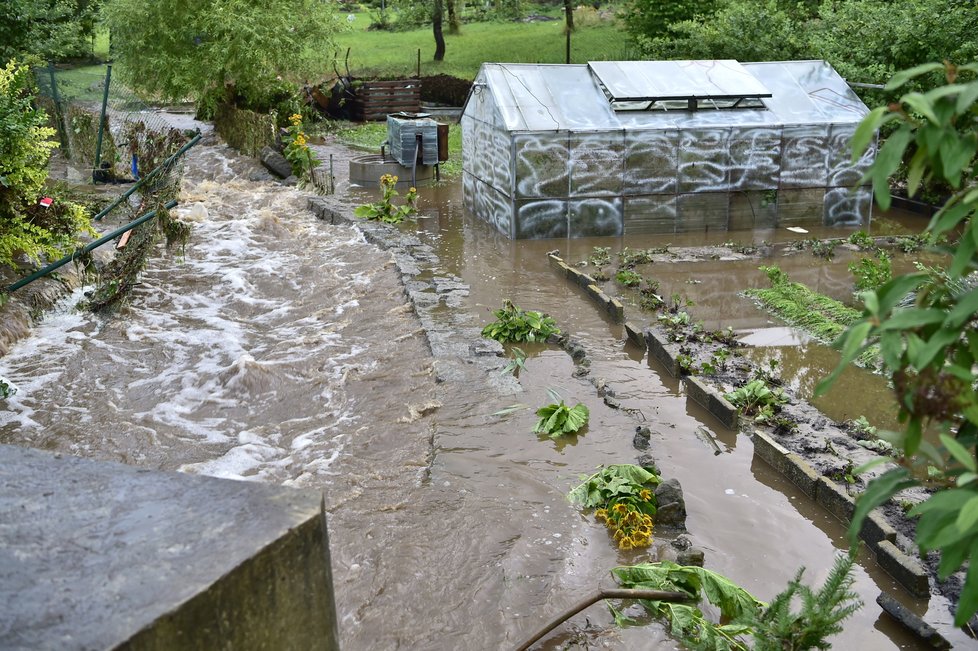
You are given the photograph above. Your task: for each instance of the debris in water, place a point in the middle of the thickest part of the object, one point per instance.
(797, 229)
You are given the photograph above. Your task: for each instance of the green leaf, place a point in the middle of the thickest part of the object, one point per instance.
(877, 492)
(916, 171)
(967, 97)
(964, 310)
(952, 557)
(907, 319)
(903, 76)
(921, 105)
(968, 603)
(577, 418)
(963, 257)
(959, 452)
(937, 342)
(968, 515)
(893, 292)
(866, 131)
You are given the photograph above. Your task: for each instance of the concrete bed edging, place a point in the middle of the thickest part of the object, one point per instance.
(609, 304)
(877, 533)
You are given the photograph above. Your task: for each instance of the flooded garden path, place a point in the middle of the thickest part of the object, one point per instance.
(278, 348)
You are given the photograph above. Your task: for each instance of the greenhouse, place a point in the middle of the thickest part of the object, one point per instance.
(638, 147)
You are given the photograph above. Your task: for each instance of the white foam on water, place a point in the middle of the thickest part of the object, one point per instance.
(230, 352)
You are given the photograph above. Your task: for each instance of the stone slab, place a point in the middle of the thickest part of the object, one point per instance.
(659, 350)
(99, 555)
(924, 631)
(634, 334)
(835, 499)
(906, 570)
(713, 401)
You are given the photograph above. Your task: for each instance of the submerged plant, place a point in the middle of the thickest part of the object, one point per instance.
(600, 256)
(628, 278)
(863, 241)
(517, 364)
(557, 419)
(872, 273)
(515, 325)
(385, 210)
(297, 150)
(623, 498)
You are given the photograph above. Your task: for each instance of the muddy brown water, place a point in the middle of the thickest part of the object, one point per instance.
(278, 348)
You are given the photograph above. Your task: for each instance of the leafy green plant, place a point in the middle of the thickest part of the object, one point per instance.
(872, 273)
(824, 249)
(297, 150)
(628, 278)
(600, 256)
(624, 500)
(515, 325)
(627, 258)
(649, 297)
(385, 210)
(557, 419)
(863, 241)
(517, 364)
(687, 622)
(926, 326)
(912, 243)
(756, 397)
(778, 626)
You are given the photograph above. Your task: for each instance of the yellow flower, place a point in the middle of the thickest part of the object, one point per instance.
(645, 495)
(300, 140)
(645, 530)
(601, 514)
(647, 519)
(632, 518)
(412, 190)
(620, 509)
(295, 119)
(625, 543)
(639, 540)
(619, 534)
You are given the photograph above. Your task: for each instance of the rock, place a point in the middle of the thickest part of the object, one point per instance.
(672, 507)
(691, 556)
(484, 347)
(581, 371)
(641, 438)
(292, 180)
(576, 351)
(275, 162)
(681, 543)
(647, 462)
(612, 402)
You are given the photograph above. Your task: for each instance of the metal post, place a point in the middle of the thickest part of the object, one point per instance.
(419, 63)
(88, 248)
(567, 56)
(193, 141)
(62, 132)
(101, 122)
(332, 179)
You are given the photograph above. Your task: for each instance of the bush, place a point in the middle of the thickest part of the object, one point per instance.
(25, 147)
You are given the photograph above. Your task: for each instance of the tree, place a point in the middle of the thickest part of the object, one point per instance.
(210, 49)
(926, 323)
(454, 20)
(436, 18)
(50, 29)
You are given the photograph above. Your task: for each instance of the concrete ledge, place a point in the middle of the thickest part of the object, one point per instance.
(912, 622)
(835, 499)
(876, 532)
(98, 555)
(634, 334)
(908, 571)
(611, 305)
(714, 402)
(659, 350)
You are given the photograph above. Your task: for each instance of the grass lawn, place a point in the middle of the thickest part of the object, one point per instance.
(394, 54)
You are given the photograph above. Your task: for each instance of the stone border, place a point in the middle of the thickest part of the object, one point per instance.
(610, 305)
(878, 535)
(713, 401)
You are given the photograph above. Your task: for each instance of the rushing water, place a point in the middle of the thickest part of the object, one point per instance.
(277, 348)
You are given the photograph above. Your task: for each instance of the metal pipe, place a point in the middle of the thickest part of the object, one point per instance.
(125, 195)
(88, 248)
(599, 595)
(101, 122)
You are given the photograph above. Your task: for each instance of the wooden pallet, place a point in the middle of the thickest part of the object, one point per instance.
(376, 99)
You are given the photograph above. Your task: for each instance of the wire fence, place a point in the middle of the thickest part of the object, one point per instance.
(107, 133)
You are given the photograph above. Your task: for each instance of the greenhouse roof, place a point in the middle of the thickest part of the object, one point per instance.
(644, 94)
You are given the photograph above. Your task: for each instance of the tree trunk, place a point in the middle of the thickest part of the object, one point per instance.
(454, 24)
(439, 36)
(569, 15)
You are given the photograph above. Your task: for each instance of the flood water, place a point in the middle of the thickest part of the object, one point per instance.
(278, 348)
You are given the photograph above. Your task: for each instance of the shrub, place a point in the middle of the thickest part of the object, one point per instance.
(25, 147)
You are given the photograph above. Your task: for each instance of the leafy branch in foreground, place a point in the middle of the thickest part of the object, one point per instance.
(515, 325)
(623, 497)
(557, 418)
(926, 325)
